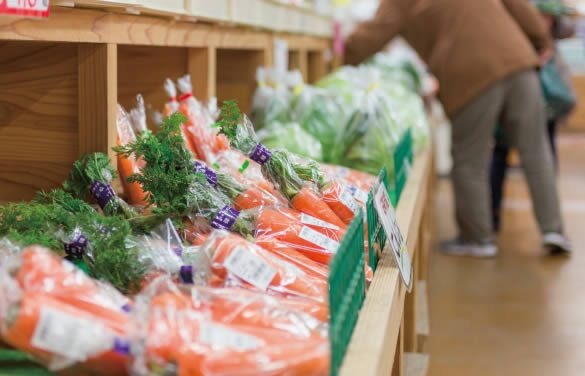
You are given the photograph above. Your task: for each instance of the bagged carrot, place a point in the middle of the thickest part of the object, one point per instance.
(128, 165)
(171, 107)
(238, 262)
(206, 141)
(208, 332)
(63, 318)
(177, 189)
(277, 165)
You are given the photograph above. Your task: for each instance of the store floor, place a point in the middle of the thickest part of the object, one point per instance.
(520, 313)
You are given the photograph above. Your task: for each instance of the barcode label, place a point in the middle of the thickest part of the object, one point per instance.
(318, 239)
(220, 337)
(347, 199)
(310, 220)
(72, 337)
(250, 267)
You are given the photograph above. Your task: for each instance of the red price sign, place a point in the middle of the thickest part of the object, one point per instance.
(25, 8)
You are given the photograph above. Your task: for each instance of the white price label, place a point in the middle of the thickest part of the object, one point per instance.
(397, 245)
(220, 337)
(359, 194)
(250, 267)
(348, 200)
(310, 220)
(318, 239)
(26, 8)
(75, 338)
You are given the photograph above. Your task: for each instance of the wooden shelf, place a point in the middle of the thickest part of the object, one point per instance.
(60, 80)
(386, 327)
(265, 14)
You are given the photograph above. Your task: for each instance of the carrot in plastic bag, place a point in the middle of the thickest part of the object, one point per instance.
(272, 223)
(307, 201)
(203, 331)
(37, 269)
(173, 106)
(61, 334)
(128, 166)
(293, 256)
(238, 262)
(341, 201)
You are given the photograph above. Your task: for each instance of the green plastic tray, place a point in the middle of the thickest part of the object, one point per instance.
(403, 158)
(18, 363)
(347, 288)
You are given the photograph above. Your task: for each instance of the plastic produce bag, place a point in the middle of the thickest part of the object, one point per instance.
(277, 165)
(236, 262)
(50, 309)
(226, 332)
(292, 137)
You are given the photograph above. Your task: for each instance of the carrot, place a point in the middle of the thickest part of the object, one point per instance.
(332, 231)
(128, 165)
(234, 258)
(307, 201)
(273, 224)
(254, 197)
(32, 325)
(340, 200)
(294, 257)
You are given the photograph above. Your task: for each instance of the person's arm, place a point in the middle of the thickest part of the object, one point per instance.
(371, 36)
(528, 18)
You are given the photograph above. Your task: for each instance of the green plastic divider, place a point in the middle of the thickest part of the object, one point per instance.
(347, 289)
(18, 363)
(403, 158)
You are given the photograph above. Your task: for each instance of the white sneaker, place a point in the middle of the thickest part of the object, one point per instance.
(459, 247)
(557, 244)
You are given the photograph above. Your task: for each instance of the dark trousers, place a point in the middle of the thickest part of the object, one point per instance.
(500, 166)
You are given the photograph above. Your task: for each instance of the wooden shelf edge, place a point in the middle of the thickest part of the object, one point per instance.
(79, 25)
(375, 336)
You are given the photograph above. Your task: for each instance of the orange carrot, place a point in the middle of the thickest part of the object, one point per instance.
(254, 197)
(332, 231)
(340, 200)
(294, 257)
(33, 326)
(273, 224)
(233, 258)
(307, 201)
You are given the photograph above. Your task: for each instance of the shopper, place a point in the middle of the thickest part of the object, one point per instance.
(556, 18)
(482, 54)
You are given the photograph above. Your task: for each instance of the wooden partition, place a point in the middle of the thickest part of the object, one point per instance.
(61, 79)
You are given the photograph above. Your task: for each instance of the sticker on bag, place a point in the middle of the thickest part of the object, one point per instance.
(359, 194)
(250, 267)
(396, 240)
(220, 337)
(312, 221)
(25, 8)
(318, 239)
(349, 201)
(72, 337)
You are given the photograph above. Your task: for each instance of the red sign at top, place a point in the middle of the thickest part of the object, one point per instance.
(25, 8)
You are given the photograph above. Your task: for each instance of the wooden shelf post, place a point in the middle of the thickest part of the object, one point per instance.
(202, 63)
(97, 96)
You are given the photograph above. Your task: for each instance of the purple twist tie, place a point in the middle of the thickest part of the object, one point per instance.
(225, 219)
(103, 193)
(126, 308)
(178, 250)
(186, 274)
(76, 247)
(260, 154)
(210, 175)
(122, 346)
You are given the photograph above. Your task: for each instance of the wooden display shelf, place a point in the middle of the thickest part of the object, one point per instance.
(386, 327)
(61, 78)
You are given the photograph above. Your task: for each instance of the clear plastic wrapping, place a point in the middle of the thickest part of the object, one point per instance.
(206, 332)
(51, 310)
(236, 262)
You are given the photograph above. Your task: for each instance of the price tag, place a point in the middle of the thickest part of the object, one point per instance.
(250, 267)
(397, 245)
(25, 8)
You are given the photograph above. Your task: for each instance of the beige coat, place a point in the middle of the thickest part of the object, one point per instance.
(467, 44)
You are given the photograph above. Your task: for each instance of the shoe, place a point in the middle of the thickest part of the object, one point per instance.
(557, 244)
(458, 247)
